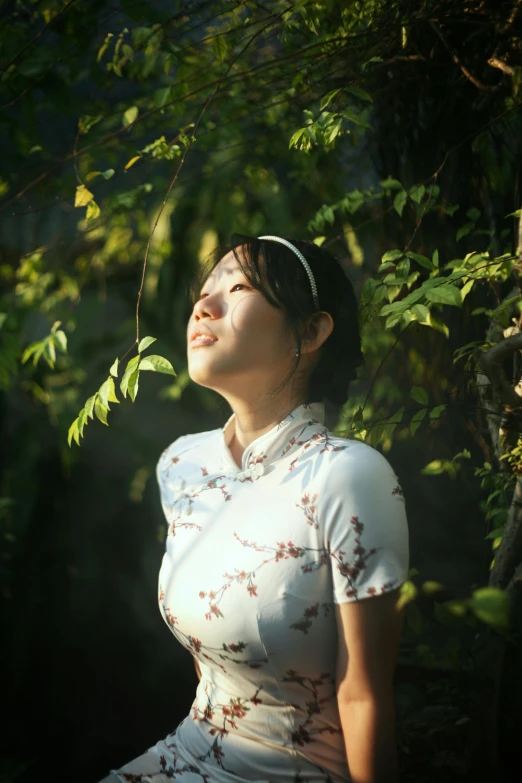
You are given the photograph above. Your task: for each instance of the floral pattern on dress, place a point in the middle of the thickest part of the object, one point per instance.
(255, 561)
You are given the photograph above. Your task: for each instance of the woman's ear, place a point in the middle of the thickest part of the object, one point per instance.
(319, 328)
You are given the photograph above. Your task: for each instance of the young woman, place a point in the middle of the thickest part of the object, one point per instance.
(286, 544)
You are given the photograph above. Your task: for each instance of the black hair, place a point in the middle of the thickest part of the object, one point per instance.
(276, 272)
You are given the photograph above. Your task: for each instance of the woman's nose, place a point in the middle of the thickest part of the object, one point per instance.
(206, 307)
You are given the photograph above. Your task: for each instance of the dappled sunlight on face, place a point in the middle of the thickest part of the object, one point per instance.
(253, 347)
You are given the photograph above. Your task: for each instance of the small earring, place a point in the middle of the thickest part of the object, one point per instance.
(297, 350)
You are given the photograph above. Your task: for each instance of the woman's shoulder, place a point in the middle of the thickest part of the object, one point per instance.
(187, 446)
(341, 454)
(351, 464)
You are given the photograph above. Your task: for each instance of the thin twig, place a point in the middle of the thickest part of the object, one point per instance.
(454, 56)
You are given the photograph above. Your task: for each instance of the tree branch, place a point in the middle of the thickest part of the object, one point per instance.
(457, 61)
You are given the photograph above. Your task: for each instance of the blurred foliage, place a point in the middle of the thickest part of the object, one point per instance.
(142, 134)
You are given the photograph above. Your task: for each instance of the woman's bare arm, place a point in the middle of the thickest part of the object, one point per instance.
(198, 670)
(370, 630)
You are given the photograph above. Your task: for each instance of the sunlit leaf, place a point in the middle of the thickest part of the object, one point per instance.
(83, 196)
(130, 115)
(491, 605)
(157, 364)
(145, 342)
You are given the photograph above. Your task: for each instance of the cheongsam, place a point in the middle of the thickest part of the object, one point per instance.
(255, 559)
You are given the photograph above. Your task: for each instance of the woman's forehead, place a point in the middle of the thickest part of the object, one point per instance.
(225, 267)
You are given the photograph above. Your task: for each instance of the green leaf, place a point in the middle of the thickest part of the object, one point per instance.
(3, 317)
(83, 196)
(407, 593)
(107, 392)
(86, 123)
(444, 294)
(499, 531)
(392, 255)
(114, 368)
(133, 383)
(417, 193)
(328, 98)
(473, 214)
(490, 604)
(28, 352)
(89, 405)
(93, 211)
(333, 131)
(131, 366)
(464, 230)
(390, 184)
(351, 116)
(131, 162)
(421, 313)
(359, 93)
(399, 202)
(105, 174)
(419, 395)
(100, 410)
(130, 115)
(157, 364)
(438, 466)
(416, 420)
(464, 291)
(145, 342)
(220, 47)
(436, 411)
(73, 433)
(61, 339)
(431, 587)
(296, 137)
(421, 260)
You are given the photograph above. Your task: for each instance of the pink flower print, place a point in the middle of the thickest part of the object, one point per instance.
(252, 589)
(195, 643)
(237, 708)
(359, 527)
(309, 508)
(302, 625)
(202, 594)
(174, 460)
(301, 736)
(371, 590)
(170, 617)
(204, 471)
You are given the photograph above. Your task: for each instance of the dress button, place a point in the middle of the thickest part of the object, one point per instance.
(257, 469)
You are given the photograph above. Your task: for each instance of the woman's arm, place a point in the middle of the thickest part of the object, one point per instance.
(198, 670)
(370, 630)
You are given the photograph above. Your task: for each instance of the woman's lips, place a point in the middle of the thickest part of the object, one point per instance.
(201, 340)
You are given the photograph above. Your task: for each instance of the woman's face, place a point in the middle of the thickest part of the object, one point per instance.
(251, 349)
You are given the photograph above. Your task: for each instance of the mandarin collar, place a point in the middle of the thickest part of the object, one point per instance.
(272, 445)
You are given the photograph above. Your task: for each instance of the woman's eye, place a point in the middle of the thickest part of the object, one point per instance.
(239, 284)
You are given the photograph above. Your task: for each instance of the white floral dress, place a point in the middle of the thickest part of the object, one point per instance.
(255, 559)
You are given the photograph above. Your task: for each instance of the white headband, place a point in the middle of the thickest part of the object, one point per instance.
(304, 262)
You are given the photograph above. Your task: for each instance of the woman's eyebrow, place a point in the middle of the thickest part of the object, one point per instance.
(227, 271)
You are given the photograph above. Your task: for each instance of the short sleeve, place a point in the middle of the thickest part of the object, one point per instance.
(365, 524)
